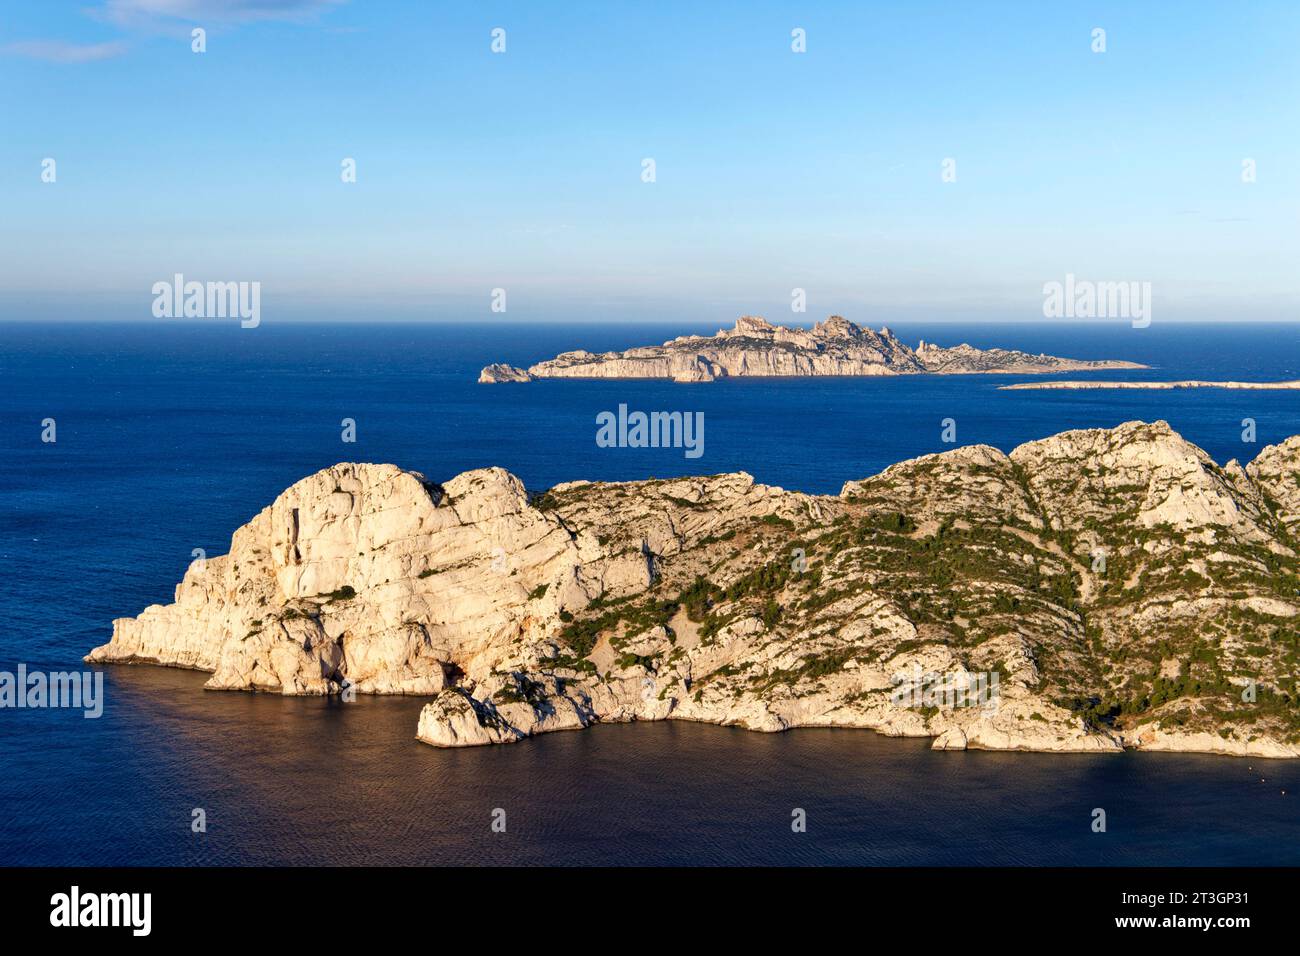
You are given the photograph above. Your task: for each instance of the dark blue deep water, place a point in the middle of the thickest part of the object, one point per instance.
(172, 435)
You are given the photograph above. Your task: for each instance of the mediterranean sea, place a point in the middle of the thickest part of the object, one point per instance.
(172, 434)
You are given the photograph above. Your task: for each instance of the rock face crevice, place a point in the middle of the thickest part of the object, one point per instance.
(755, 347)
(1116, 586)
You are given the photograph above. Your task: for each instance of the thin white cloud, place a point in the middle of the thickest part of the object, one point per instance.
(139, 12)
(152, 16)
(57, 51)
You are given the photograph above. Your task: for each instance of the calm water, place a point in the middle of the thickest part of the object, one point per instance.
(171, 436)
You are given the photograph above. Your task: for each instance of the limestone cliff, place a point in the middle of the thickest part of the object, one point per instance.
(1115, 587)
(755, 347)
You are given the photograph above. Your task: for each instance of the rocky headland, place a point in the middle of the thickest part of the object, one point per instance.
(1114, 587)
(755, 347)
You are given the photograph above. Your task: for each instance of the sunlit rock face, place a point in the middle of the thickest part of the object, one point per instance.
(1094, 590)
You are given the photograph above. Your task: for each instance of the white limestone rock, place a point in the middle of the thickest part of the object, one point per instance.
(755, 347)
(723, 600)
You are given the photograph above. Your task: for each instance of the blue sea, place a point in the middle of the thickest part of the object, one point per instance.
(171, 435)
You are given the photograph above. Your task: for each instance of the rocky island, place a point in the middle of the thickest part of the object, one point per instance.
(1113, 587)
(755, 347)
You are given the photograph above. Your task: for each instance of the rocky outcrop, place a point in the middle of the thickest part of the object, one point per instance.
(1275, 468)
(1094, 590)
(755, 347)
(364, 573)
(500, 372)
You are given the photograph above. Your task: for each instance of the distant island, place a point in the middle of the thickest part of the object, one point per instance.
(1096, 590)
(755, 347)
(1189, 383)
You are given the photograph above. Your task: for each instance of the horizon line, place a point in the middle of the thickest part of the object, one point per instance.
(498, 320)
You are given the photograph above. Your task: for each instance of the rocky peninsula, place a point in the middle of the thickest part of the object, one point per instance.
(755, 347)
(1157, 386)
(1113, 587)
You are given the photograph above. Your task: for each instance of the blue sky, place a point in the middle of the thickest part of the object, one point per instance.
(775, 170)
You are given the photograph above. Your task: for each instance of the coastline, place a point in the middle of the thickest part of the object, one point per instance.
(1145, 739)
